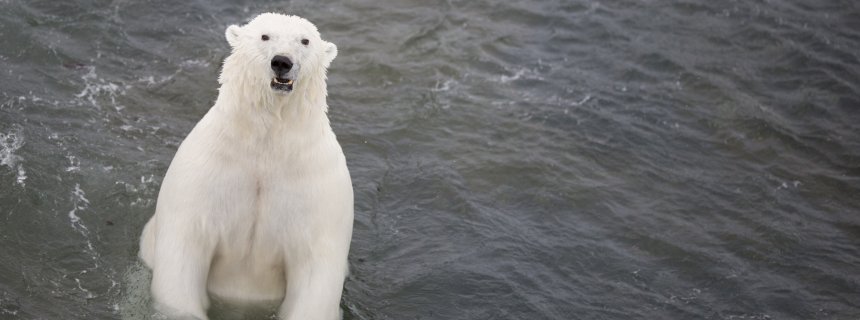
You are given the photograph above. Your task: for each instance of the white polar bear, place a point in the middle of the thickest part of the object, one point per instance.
(257, 205)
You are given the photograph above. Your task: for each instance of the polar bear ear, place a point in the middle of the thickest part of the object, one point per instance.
(330, 52)
(233, 32)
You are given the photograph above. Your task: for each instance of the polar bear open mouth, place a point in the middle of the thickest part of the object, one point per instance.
(282, 84)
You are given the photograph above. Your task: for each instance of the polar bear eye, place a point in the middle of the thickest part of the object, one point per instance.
(265, 37)
(305, 41)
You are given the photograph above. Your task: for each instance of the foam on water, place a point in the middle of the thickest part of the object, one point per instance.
(9, 144)
(8, 305)
(80, 203)
(96, 87)
(522, 73)
(74, 164)
(193, 63)
(144, 190)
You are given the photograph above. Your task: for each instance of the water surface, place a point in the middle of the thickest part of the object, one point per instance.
(536, 160)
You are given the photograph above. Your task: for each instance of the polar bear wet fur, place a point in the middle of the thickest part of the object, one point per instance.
(257, 204)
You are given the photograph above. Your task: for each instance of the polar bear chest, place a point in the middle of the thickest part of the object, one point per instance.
(272, 207)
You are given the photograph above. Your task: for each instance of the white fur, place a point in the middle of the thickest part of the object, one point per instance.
(257, 205)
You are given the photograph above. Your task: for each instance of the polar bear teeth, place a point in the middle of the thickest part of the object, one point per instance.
(289, 81)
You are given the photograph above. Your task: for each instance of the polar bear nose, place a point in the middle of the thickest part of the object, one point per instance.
(281, 65)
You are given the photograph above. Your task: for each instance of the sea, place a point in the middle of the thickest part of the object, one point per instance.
(547, 159)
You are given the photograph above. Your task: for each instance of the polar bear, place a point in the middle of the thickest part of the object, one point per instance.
(257, 204)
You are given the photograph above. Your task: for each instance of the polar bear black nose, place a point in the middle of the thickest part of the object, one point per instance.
(281, 65)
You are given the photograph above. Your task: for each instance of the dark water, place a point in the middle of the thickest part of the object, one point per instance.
(540, 160)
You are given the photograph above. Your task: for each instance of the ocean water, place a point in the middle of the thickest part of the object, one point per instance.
(623, 159)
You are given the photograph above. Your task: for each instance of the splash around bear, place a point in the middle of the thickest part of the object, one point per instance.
(257, 204)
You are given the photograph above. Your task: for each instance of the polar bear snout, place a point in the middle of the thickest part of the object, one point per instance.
(282, 66)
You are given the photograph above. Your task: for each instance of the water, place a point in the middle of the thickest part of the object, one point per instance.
(540, 160)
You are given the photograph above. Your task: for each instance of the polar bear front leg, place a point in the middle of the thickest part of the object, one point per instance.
(314, 287)
(180, 271)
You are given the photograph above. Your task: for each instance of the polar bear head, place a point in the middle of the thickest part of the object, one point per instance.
(276, 53)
